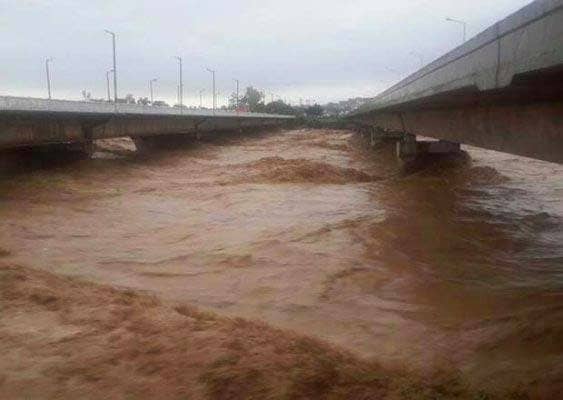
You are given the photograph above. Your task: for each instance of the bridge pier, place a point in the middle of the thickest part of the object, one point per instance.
(143, 145)
(408, 148)
(84, 149)
(377, 135)
(147, 144)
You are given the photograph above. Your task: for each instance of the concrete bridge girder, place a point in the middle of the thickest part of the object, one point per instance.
(28, 131)
(525, 42)
(530, 130)
(20, 131)
(501, 90)
(120, 127)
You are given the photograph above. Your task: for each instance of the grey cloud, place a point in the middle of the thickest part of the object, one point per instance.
(325, 50)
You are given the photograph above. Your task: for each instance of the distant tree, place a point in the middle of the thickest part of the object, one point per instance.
(143, 101)
(314, 111)
(129, 99)
(252, 99)
(332, 108)
(279, 107)
(160, 103)
(233, 101)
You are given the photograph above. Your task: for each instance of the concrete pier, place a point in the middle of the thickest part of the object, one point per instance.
(408, 147)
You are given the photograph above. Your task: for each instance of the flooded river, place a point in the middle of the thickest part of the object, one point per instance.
(455, 265)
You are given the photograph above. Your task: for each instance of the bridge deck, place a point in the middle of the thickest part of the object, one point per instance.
(502, 90)
(11, 105)
(527, 42)
(32, 122)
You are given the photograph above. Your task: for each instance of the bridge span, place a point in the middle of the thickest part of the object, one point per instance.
(501, 90)
(26, 122)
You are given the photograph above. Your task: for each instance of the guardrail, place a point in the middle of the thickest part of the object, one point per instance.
(33, 105)
(527, 41)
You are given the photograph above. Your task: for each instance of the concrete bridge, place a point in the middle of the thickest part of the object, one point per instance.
(501, 90)
(26, 122)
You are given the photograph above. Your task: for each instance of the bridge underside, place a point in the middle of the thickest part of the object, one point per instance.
(23, 130)
(525, 118)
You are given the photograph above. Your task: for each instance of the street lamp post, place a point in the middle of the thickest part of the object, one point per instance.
(151, 82)
(48, 72)
(107, 82)
(214, 94)
(181, 84)
(462, 23)
(237, 81)
(114, 66)
(201, 98)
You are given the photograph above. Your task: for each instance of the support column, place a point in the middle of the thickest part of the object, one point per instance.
(407, 147)
(144, 145)
(86, 147)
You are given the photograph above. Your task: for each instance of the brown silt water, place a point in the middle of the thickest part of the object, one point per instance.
(453, 265)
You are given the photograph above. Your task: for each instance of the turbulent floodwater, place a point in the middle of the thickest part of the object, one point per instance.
(456, 264)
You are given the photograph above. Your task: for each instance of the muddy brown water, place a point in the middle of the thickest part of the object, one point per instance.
(456, 265)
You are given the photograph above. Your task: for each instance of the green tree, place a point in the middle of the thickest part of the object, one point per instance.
(279, 107)
(130, 99)
(314, 111)
(252, 99)
(233, 101)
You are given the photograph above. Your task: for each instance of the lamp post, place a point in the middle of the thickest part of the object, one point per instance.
(214, 94)
(181, 84)
(48, 72)
(201, 98)
(151, 82)
(462, 23)
(237, 81)
(114, 66)
(107, 83)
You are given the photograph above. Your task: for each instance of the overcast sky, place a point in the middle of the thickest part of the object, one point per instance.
(311, 49)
